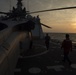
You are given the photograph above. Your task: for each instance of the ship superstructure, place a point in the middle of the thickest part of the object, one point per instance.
(18, 16)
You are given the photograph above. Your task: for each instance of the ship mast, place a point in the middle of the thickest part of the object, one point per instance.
(17, 12)
(28, 5)
(10, 5)
(19, 5)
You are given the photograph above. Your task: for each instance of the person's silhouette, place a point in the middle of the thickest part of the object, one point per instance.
(47, 41)
(67, 46)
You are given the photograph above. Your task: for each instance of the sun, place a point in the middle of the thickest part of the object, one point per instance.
(74, 25)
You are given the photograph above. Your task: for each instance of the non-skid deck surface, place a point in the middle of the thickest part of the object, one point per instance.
(40, 61)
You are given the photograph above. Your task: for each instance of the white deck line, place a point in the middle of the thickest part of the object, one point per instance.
(34, 70)
(34, 55)
(73, 66)
(17, 70)
(40, 45)
(56, 68)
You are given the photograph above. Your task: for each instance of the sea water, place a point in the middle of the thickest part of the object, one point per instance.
(61, 36)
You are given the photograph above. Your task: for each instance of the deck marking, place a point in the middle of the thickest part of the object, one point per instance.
(62, 55)
(73, 66)
(57, 61)
(59, 67)
(40, 45)
(34, 55)
(56, 68)
(74, 49)
(52, 50)
(34, 70)
(17, 70)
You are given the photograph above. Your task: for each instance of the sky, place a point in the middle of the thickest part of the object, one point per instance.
(63, 21)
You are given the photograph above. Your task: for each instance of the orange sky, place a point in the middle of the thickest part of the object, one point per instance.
(60, 21)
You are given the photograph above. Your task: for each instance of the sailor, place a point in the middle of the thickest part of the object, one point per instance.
(67, 46)
(47, 41)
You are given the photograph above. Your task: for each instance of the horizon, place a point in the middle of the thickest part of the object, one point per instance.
(59, 32)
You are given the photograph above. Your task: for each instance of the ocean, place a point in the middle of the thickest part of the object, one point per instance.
(61, 36)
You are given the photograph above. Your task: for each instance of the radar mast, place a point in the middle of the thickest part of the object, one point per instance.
(19, 4)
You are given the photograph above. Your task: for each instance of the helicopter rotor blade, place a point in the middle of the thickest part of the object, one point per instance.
(54, 9)
(46, 25)
(4, 13)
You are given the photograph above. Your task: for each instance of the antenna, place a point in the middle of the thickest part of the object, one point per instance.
(10, 5)
(28, 5)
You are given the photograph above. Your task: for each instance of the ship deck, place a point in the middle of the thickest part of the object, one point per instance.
(40, 61)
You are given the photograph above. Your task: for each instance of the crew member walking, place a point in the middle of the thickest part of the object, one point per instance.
(47, 41)
(67, 46)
